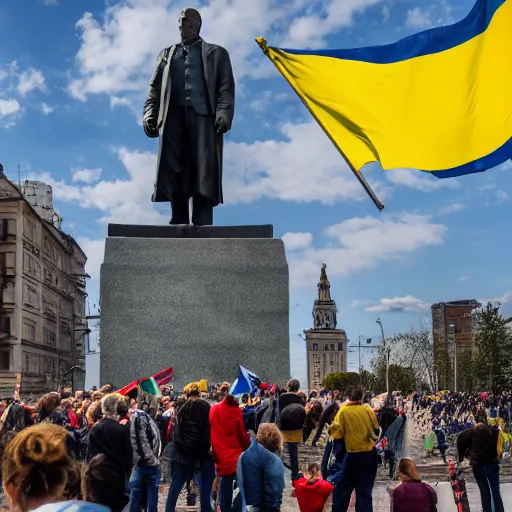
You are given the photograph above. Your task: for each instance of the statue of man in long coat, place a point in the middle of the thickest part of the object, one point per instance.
(190, 106)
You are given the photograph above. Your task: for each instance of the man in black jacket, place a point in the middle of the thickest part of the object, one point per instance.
(290, 418)
(481, 444)
(112, 439)
(189, 451)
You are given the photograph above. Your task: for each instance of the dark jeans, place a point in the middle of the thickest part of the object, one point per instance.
(226, 493)
(293, 452)
(488, 480)
(325, 459)
(144, 484)
(204, 477)
(358, 472)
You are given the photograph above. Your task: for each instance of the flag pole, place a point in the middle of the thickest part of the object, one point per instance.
(263, 45)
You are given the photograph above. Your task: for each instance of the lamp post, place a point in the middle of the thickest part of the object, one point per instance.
(386, 352)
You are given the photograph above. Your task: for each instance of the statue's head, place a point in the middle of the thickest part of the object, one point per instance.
(190, 23)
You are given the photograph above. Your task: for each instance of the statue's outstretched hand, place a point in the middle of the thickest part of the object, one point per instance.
(221, 125)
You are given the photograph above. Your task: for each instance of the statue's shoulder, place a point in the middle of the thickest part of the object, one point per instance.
(215, 47)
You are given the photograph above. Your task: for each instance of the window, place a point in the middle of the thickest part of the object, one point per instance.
(315, 346)
(5, 360)
(5, 326)
(49, 338)
(8, 296)
(331, 346)
(10, 263)
(29, 332)
(340, 347)
(26, 363)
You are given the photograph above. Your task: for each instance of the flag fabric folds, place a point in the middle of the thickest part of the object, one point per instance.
(438, 101)
(247, 382)
(164, 377)
(149, 384)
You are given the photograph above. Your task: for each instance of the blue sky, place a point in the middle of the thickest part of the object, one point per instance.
(72, 84)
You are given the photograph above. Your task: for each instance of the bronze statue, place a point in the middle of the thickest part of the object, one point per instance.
(190, 106)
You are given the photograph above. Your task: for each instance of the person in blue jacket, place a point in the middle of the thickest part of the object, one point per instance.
(260, 472)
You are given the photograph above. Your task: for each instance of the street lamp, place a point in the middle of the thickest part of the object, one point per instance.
(386, 351)
(67, 372)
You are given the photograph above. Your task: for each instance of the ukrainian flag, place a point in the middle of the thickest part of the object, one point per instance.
(439, 101)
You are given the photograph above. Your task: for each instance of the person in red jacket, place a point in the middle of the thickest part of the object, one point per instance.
(312, 492)
(229, 440)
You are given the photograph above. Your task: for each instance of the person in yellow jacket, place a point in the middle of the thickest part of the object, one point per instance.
(357, 424)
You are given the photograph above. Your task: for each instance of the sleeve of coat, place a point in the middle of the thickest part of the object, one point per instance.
(152, 103)
(225, 88)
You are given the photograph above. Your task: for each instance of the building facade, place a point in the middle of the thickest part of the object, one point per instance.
(326, 345)
(42, 299)
(452, 328)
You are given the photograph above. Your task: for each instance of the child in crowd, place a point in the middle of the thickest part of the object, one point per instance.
(312, 492)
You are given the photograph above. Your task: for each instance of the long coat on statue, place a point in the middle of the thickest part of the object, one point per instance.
(220, 86)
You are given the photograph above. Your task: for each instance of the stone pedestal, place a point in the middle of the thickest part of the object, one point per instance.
(195, 299)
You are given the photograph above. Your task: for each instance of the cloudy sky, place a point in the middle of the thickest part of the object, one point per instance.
(72, 84)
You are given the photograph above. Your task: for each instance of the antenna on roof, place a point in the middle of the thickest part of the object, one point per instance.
(19, 175)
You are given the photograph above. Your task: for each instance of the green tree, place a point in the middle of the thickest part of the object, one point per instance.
(342, 381)
(492, 366)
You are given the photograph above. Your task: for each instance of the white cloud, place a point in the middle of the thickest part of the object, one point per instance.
(111, 60)
(418, 180)
(310, 30)
(290, 169)
(491, 189)
(463, 279)
(295, 241)
(385, 14)
(46, 109)
(452, 208)
(359, 244)
(399, 305)
(9, 107)
(121, 200)
(30, 80)
(95, 251)
(86, 175)
(418, 19)
(506, 297)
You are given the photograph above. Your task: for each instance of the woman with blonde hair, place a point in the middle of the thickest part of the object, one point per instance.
(412, 493)
(36, 469)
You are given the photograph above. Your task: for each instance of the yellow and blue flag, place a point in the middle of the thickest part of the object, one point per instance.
(439, 101)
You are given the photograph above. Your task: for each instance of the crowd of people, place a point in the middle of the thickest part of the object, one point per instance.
(103, 449)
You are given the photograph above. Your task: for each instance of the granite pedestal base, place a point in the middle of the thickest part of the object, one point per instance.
(202, 305)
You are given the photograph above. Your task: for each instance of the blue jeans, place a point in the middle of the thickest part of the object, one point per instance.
(325, 459)
(181, 474)
(144, 484)
(488, 480)
(226, 493)
(358, 472)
